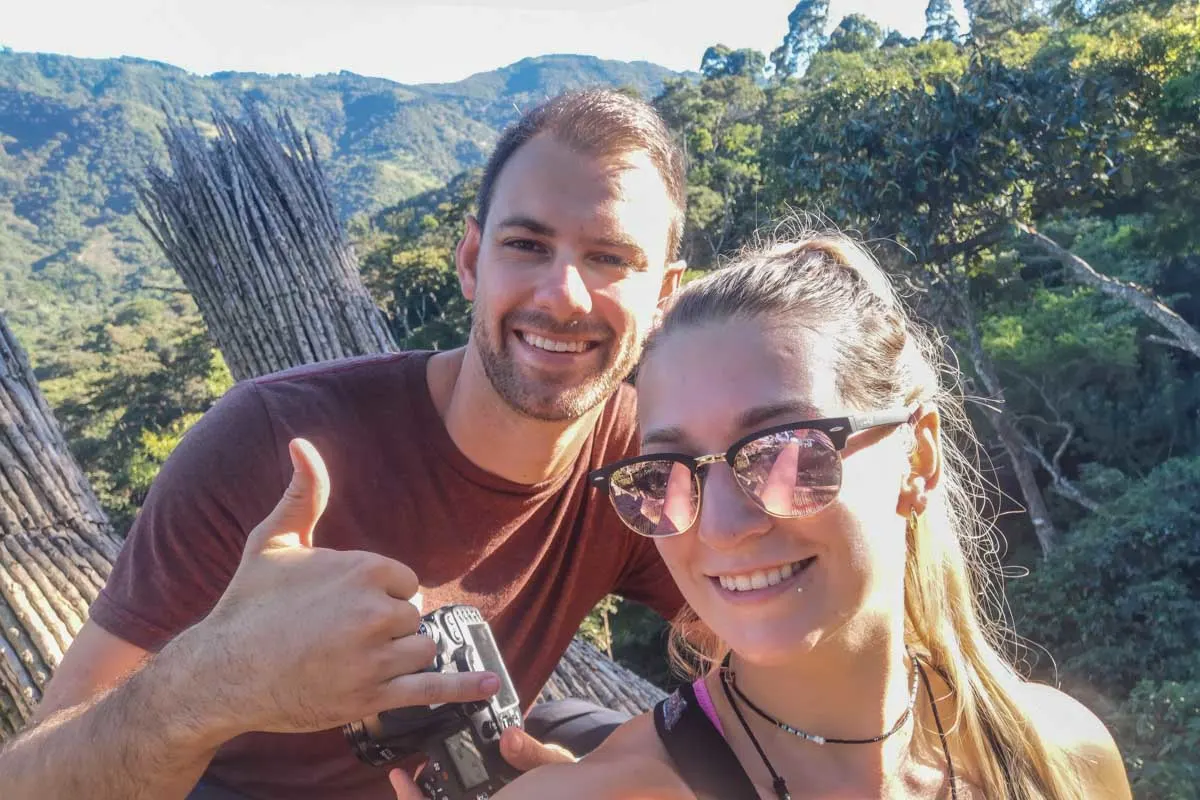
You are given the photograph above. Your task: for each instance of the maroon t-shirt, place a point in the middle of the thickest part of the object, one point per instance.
(534, 559)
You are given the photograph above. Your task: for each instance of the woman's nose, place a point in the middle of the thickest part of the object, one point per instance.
(727, 515)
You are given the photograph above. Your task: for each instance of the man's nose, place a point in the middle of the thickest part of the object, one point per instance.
(728, 516)
(562, 290)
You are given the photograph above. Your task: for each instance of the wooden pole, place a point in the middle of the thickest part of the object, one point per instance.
(56, 545)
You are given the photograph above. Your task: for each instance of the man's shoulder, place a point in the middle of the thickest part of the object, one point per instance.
(343, 370)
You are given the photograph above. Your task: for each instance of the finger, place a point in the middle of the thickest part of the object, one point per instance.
(431, 688)
(404, 656)
(393, 619)
(524, 752)
(291, 522)
(404, 786)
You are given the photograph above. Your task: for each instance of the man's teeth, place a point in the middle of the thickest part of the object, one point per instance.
(542, 343)
(759, 579)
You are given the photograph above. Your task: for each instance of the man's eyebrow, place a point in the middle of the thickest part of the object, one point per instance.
(528, 223)
(618, 241)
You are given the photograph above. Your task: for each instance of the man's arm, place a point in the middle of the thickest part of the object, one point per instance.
(115, 722)
(303, 639)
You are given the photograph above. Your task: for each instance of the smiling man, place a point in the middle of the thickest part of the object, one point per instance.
(261, 600)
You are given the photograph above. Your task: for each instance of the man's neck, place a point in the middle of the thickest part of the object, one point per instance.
(494, 436)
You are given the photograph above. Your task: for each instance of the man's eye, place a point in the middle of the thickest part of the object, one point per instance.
(610, 260)
(528, 245)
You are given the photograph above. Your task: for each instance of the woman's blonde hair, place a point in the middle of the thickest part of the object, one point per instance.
(953, 596)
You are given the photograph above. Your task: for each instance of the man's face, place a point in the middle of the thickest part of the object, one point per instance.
(567, 275)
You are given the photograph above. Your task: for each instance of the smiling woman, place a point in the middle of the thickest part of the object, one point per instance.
(797, 480)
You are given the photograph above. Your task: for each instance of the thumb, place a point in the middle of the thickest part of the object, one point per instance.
(291, 522)
(524, 752)
(404, 786)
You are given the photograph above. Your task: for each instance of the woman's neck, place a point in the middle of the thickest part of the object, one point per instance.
(839, 690)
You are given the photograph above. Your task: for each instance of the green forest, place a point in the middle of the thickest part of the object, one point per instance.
(1030, 179)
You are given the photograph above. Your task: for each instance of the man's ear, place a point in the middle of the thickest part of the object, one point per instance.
(925, 461)
(672, 278)
(466, 257)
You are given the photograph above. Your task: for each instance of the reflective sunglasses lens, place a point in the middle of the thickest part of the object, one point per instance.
(655, 498)
(790, 473)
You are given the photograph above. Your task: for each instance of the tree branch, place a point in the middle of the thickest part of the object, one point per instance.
(1141, 298)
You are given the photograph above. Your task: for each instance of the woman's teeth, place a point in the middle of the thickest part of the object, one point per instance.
(759, 579)
(542, 343)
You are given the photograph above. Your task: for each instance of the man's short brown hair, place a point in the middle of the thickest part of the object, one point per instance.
(598, 122)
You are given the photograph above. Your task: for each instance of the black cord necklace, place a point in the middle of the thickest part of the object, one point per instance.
(778, 783)
(731, 679)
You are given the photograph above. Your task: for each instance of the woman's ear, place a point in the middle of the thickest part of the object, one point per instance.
(925, 461)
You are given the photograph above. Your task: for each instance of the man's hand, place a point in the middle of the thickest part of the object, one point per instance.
(518, 748)
(307, 639)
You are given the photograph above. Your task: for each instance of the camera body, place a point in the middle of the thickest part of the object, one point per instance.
(461, 740)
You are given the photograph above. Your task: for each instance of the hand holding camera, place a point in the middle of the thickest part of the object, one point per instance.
(460, 740)
(307, 639)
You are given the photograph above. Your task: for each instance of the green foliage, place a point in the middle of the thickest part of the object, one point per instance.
(1121, 602)
(1160, 728)
(719, 60)
(132, 387)
(597, 628)
(410, 269)
(1118, 607)
(854, 34)
(720, 122)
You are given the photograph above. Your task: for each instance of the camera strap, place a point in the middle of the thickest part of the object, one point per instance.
(702, 756)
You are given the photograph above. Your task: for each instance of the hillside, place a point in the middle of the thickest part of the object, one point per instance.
(75, 134)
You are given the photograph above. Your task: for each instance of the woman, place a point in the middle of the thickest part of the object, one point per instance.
(823, 529)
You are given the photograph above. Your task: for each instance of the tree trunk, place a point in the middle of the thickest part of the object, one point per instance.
(249, 225)
(56, 546)
(1014, 442)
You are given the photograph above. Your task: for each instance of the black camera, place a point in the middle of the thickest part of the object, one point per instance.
(461, 740)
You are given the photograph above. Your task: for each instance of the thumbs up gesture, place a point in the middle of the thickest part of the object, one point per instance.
(306, 638)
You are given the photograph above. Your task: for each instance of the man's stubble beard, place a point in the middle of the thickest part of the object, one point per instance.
(544, 401)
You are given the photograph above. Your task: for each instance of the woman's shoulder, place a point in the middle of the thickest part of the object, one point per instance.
(1069, 725)
(631, 765)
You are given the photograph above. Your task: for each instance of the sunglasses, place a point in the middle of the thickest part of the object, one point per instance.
(791, 470)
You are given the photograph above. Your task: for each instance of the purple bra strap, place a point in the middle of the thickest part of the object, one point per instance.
(706, 703)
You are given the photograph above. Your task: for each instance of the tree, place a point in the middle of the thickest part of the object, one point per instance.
(720, 61)
(940, 22)
(854, 34)
(895, 38)
(719, 121)
(714, 61)
(990, 18)
(56, 546)
(805, 34)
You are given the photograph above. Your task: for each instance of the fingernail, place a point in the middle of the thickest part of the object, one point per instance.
(490, 684)
(515, 745)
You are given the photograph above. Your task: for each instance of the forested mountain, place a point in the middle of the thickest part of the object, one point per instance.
(75, 134)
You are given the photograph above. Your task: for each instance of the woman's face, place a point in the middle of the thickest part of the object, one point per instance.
(703, 388)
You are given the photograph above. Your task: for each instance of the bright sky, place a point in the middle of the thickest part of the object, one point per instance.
(409, 41)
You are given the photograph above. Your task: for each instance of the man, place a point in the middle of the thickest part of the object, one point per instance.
(265, 584)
